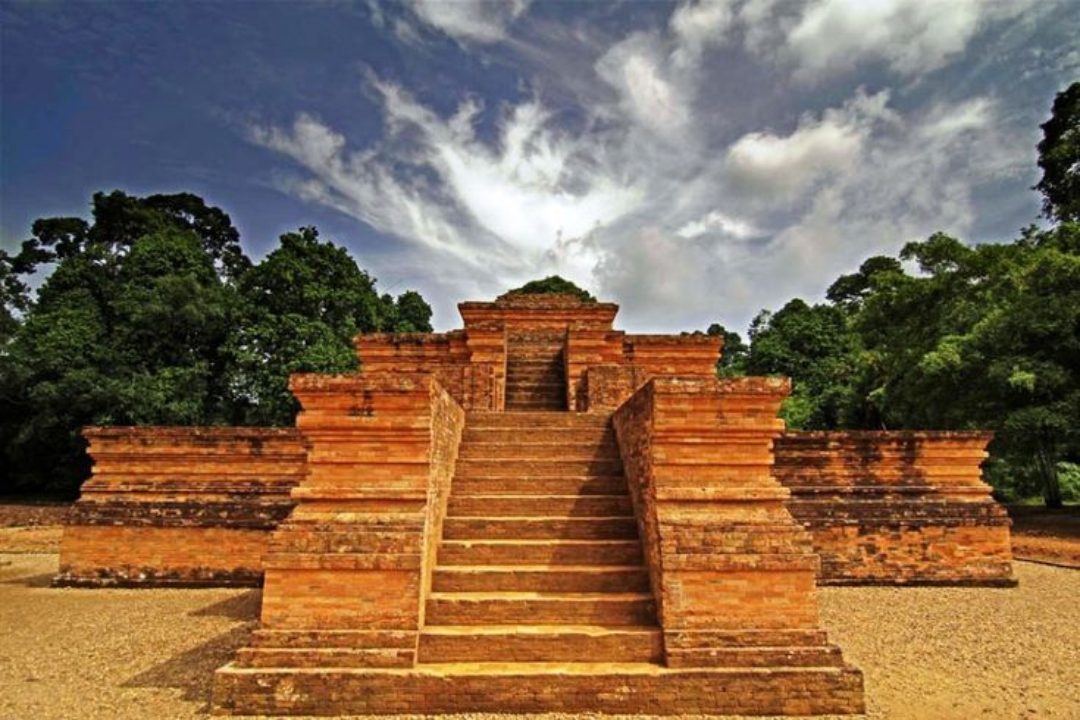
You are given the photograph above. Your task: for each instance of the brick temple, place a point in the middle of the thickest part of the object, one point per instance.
(536, 513)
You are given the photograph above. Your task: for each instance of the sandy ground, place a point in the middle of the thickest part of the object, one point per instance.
(33, 527)
(927, 652)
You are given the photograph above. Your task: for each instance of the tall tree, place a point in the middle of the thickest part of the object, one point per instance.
(413, 314)
(122, 332)
(300, 309)
(814, 346)
(733, 355)
(1059, 157)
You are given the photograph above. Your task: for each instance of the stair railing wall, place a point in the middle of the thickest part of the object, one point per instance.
(356, 554)
(730, 567)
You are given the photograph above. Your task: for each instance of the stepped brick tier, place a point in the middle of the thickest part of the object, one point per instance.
(180, 506)
(897, 507)
(539, 513)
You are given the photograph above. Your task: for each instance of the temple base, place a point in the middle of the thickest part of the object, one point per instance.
(631, 688)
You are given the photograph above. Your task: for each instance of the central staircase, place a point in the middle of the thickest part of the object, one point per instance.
(535, 372)
(540, 560)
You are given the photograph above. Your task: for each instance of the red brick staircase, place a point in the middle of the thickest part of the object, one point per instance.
(539, 601)
(535, 372)
(540, 560)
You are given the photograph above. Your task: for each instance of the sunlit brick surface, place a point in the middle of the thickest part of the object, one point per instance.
(536, 513)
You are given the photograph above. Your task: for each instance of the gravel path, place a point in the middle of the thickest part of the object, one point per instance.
(926, 652)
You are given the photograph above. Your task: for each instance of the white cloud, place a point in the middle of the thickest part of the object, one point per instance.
(667, 192)
(471, 21)
(637, 69)
(718, 221)
(821, 38)
(783, 167)
(913, 178)
(434, 182)
(699, 25)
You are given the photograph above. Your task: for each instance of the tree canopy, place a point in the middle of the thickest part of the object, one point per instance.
(153, 314)
(952, 336)
(1059, 157)
(553, 284)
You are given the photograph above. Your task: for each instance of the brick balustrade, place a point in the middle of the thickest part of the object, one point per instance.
(732, 572)
(897, 507)
(347, 572)
(179, 506)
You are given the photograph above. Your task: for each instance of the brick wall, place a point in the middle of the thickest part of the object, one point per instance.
(347, 571)
(733, 574)
(179, 506)
(897, 507)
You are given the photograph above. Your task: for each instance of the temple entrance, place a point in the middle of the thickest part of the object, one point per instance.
(536, 371)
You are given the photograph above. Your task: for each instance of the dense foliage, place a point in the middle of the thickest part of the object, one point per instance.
(1059, 158)
(949, 336)
(553, 284)
(153, 314)
(969, 337)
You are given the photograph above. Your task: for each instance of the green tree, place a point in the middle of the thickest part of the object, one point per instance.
(172, 315)
(734, 354)
(1059, 157)
(981, 337)
(300, 309)
(814, 346)
(413, 313)
(553, 284)
(120, 333)
(153, 315)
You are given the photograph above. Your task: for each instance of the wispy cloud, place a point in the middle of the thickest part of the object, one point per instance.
(665, 193)
(470, 21)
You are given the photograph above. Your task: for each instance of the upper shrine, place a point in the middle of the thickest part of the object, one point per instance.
(543, 352)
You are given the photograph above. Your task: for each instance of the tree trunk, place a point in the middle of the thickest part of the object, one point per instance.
(1051, 488)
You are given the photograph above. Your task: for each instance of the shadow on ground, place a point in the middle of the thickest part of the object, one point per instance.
(192, 671)
(41, 580)
(243, 607)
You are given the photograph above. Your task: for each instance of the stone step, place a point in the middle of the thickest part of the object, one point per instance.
(540, 643)
(541, 401)
(539, 505)
(525, 397)
(540, 552)
(314, 638)
(523, 386)
(539, 528)
(534, 391)
(323, 658)
(536, 376)
(535, 687)
(527, 363)
(534, 421)
(546, 406)
(509, 467)
(539, 485)
(530, 608)
(539, 451)
(541, 578)
(553, 377)
(759, 657)
(536, 373)
(521, 367)
(560, 435)
(515, 394)
(516, 355)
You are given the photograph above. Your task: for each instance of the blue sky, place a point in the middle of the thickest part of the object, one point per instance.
(694, 162)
